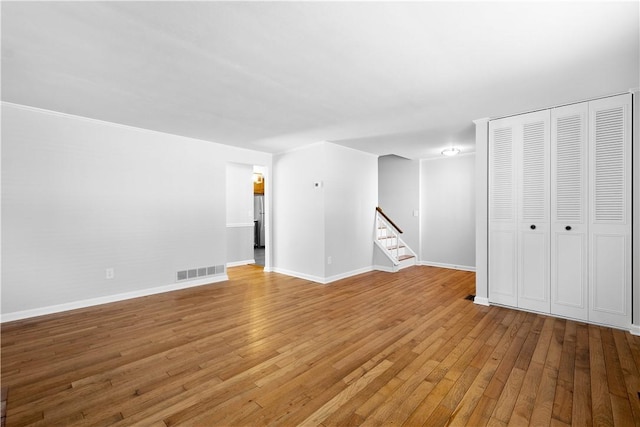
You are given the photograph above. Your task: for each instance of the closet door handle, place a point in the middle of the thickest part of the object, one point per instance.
(533, 226)
(568, 228)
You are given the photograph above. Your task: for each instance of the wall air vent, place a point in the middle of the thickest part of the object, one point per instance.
(194, 273)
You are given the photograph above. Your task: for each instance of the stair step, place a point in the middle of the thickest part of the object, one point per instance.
(403, 257)
(394, 247)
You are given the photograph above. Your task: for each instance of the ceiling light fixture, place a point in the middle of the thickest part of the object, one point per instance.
(450, 151)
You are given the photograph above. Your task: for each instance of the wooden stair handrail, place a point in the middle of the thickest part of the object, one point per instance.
(388, 219)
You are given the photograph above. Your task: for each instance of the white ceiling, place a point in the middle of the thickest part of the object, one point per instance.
(382, 77)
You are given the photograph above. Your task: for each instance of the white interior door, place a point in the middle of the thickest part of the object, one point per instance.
(533, 211)
(569, 201)
(502, 213)
(610, 211)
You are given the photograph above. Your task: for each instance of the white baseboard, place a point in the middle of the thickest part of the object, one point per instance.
(304, 276)
(384, 268)
(239, 263)
(451, 266)
(321, 280)
(347, 274)
(25, 314)
(481, 301)
(632, 329)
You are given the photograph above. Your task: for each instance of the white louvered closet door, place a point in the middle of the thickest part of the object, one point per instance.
(533, 211)
(610, 211)
(569, 202)
(502, 212)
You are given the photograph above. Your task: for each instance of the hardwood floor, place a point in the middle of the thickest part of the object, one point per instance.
(263, 348)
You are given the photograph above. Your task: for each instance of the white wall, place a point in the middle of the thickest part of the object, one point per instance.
(239, 188)
(350, 201)
(399, 195)
(240, 227)
(298, 206)
(333, 219)
(80, 196)
(635, 287)
(482, 198)
(448, 212)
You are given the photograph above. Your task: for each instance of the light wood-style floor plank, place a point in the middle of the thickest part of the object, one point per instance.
(376, 349)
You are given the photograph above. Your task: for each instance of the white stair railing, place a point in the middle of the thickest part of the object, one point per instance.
(387, 237)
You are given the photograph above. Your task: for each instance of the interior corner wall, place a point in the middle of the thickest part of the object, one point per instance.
(298, 206)
(351, 194)
(80, 196)
(324, 201)
(448, 212)
(635, 286)
(239, 201)
(399, 195)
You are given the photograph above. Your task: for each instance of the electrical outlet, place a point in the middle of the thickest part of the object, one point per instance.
(329, 260)
(110, 273)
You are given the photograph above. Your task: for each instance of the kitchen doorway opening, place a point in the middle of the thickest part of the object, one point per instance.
(259, 211)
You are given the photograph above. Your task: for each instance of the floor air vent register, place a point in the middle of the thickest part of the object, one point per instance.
(194, 273)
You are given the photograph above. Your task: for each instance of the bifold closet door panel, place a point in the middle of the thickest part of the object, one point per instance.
(519, 211)
(502, 267)
(502, 213)
(532, 163)
(560, 211)
(610, 211)
(569, 201)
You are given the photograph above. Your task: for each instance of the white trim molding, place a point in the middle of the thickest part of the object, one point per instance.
(241, 224)
(239, 263)
(310, 277)
(385, 268)
(347, 274)
(42, 311)
(321, 280)
(450, 266)
(635, 238)
(481, 301)
(482, 213)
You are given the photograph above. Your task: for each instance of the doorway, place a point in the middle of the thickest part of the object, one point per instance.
(247, 215)
(259, 211)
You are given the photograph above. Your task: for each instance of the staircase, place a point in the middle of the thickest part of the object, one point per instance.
(387, 239)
